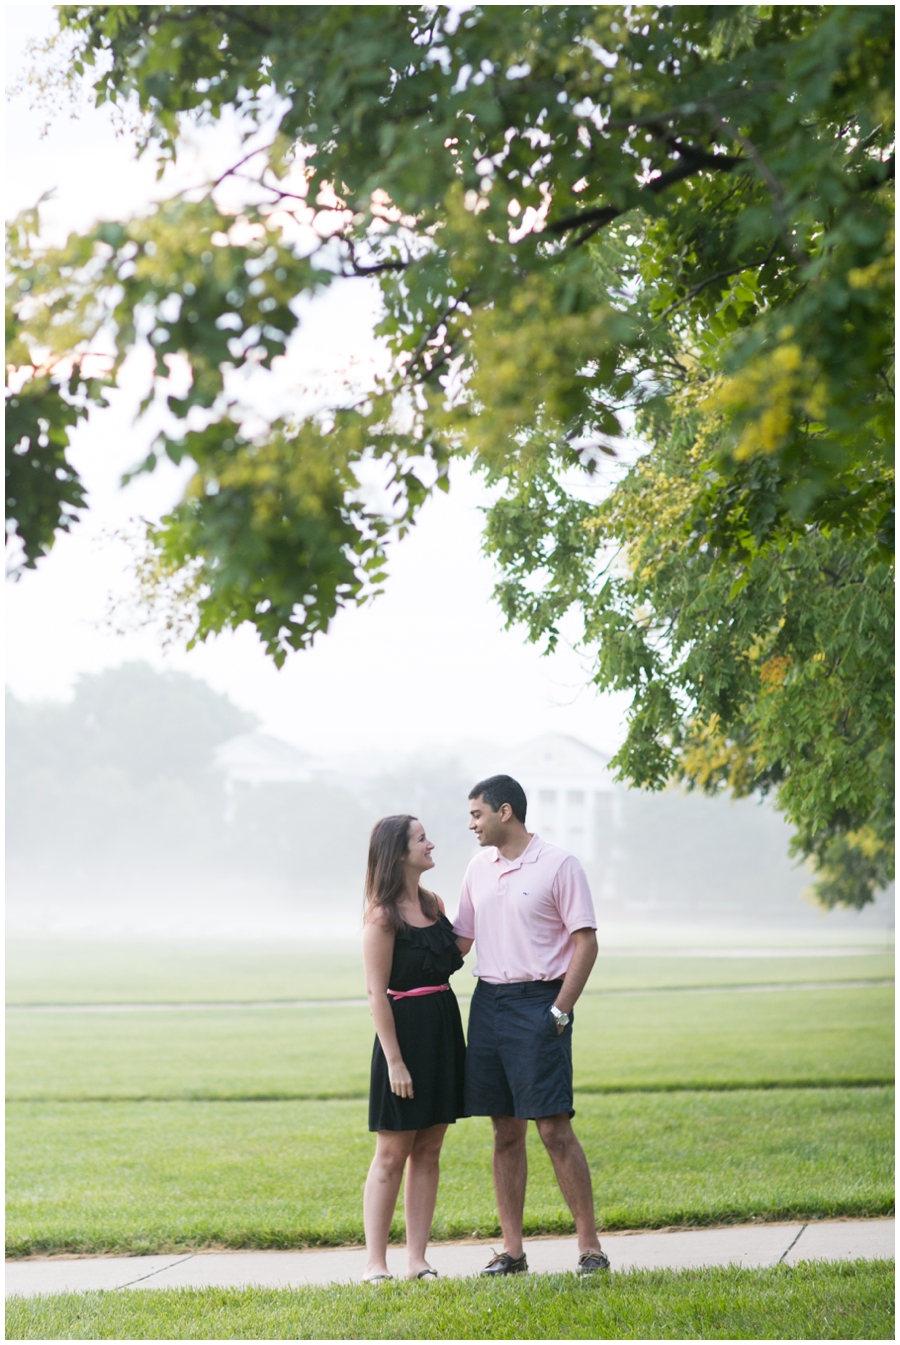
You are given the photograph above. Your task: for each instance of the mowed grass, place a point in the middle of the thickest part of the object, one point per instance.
(819, 1301)
(129, 971)
(76, 971)
(648, 1040)
(173, 1128)
(156, 1176)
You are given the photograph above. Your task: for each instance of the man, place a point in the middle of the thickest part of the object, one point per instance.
(527, 908)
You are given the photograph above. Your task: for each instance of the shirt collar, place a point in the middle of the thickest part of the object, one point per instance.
(528, 856)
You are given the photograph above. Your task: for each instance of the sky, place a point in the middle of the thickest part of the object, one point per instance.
(428, 664)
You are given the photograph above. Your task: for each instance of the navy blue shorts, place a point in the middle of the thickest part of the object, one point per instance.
(517, 1062)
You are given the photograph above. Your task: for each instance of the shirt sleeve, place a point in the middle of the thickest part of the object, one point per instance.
(464, 924)
(573, 896)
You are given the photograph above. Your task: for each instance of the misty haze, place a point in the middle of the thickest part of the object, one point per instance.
(400, 397)
(151, 804)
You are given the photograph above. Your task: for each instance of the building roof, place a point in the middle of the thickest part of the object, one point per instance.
(258, 751)
(554, 759)
(558, 755)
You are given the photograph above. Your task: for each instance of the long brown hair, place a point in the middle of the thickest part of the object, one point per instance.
(385, 886)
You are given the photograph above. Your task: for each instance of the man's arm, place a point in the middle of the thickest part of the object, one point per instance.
(575, 979)
(464, 924)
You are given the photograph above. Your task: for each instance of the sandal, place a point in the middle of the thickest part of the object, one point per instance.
(376, 1279)
(424, 1274)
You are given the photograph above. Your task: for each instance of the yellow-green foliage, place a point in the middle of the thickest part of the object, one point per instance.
(583, 219)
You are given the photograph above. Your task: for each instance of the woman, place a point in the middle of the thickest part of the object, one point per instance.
(418, 1059)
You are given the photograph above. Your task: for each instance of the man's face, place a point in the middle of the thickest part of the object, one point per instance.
(487, 825)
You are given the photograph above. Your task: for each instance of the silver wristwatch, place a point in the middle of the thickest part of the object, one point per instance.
(562, 1019)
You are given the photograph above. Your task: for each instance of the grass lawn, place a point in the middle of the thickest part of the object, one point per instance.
(156, 1130)
(76, 971)
(648, 1040)
(129, 971)
(818, 1301)
(157, 1176)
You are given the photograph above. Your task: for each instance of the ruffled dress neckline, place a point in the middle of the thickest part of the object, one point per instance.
(441, 931)
(424, 955)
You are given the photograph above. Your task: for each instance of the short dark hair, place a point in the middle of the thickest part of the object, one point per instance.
(499, 789)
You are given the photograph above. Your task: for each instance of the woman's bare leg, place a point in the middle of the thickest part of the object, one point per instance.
(422, 1172)
(392, 1148)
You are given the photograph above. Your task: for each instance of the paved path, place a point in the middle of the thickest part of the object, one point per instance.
(744, 1245)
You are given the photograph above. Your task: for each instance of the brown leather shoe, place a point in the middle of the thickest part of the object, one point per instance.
(588, 1262)
(501, 1263)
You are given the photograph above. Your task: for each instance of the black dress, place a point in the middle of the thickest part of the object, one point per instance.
(429, 1033)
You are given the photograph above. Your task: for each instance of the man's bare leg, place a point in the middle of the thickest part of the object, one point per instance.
(510, 1174)
(573, 1175)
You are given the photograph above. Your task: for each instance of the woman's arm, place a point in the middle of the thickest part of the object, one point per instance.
(378, 953)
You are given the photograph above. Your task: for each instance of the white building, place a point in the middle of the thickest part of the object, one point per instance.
(253, 759)
(571, 793)
(572, 799)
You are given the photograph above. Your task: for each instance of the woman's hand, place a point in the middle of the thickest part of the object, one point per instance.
(401, 1080)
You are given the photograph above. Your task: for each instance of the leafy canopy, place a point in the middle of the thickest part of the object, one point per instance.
(584, 221)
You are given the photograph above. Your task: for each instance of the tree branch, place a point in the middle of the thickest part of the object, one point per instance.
(461, 298)
(775, 188)
(711, 280)
(869, 181)
(236, 11)
(240, 163)
(701, 157)
(360, 269)
(685, 109)
(603, 215)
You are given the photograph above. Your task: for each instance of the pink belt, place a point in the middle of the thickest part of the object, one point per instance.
(421, 990)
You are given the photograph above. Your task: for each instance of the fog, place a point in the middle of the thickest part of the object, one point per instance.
(150, 804)
(157, 791)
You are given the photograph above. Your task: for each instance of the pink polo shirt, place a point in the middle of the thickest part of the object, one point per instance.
(523, 912)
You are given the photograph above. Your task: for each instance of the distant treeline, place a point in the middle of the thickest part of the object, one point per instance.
(121, 780)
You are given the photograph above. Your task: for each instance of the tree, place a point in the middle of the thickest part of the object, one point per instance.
(119, 780)
(583, 220)
(764, 667)
(150, 725)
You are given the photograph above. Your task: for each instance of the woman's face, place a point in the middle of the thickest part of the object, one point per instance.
(419, 848)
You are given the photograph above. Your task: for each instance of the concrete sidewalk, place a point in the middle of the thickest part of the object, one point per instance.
(744, 1245)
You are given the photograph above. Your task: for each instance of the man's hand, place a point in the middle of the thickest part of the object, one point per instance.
(583, 959)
